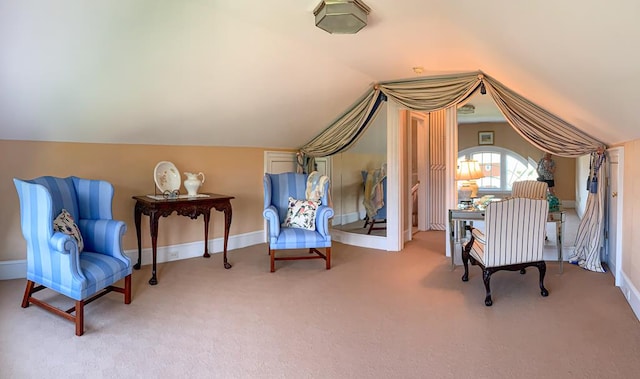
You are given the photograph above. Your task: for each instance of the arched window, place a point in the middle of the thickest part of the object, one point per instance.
(501, 167)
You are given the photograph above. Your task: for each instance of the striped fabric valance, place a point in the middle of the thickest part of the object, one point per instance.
(541, 128)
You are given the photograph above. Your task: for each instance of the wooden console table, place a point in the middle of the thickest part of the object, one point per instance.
(185, 206)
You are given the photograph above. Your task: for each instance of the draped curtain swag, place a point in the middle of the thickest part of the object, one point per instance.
(590, 236)
(539, 127)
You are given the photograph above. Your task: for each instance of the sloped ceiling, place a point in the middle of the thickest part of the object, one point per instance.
(259, 73)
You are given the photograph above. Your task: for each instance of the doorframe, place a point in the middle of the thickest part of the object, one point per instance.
(397, 167)
(422, 158)
(619, 152)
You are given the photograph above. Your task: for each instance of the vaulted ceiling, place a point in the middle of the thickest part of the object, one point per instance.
(259, 73)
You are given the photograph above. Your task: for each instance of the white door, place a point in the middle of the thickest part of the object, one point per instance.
(613, 229)
(277, 162)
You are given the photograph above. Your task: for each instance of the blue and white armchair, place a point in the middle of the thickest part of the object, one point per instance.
(86, 260)
(311, 233)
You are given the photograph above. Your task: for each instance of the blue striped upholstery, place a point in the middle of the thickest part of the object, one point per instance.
(531, 189)
(514, 233)
(277, 189)
(53, 259)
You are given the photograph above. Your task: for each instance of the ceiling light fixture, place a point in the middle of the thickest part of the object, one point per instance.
(341, 16)
(467, 109)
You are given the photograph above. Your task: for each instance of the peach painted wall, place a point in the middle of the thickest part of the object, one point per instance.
(232, 171)
(508, 138)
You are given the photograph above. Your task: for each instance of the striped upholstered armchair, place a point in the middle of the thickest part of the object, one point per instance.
(286, 195)
(531, 189)
(513, 240)
(73, 243)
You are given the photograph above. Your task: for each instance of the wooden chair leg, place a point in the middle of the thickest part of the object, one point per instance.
(27, 293)
(328, 252)
(465, 260)
(127, 289)
(79, 318)
(486, 276)
(542, 267)
(272, 254)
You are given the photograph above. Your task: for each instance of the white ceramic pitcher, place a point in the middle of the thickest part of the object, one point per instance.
(193, 182)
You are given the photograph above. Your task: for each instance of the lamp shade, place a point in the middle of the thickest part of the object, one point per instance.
(469, 170)
(341, 16)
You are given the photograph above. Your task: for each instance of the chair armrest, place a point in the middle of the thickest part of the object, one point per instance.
(271, 215)
(323, 214)
(63, 250)
(104, 237)
(62, 243)
(478, 235)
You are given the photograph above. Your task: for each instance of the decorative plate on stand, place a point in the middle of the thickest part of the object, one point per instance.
(167, 177)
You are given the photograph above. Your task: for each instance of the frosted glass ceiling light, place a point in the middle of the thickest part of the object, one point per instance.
(341, 16)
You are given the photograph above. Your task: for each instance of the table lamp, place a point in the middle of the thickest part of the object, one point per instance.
(468, 171)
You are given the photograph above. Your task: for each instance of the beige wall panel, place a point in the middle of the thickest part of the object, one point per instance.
(232, 171)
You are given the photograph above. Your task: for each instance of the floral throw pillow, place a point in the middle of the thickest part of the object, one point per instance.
(64, 223)
(301, 214)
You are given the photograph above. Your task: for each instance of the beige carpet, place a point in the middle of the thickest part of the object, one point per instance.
(373, 315)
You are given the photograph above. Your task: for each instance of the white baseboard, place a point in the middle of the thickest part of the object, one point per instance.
(368, 241)
(196, 249)
(13, 269)
(18, 269)
(631, 293)
(347, 218)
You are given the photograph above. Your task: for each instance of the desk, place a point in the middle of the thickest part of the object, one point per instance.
(458, 219)
(191, 207)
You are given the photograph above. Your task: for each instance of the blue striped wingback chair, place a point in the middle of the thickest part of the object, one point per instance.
(277, 190)
(513, 240)
(53, 258)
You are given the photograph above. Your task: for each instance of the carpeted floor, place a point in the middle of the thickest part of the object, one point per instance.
(373, 315)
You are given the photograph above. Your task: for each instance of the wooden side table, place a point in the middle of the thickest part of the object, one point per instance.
(157, 206)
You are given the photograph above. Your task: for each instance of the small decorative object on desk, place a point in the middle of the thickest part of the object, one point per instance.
(193, 183)
(481, 203)
(170, 194)
(554, 203)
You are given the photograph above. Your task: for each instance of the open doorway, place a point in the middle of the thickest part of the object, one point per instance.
(418, 168)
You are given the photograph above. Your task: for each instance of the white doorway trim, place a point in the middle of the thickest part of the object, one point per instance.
(616, 157)
(422, 159)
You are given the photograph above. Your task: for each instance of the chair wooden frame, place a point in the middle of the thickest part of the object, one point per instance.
(319, 255)
(78, 309)
(513, 240)
(487, 272)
